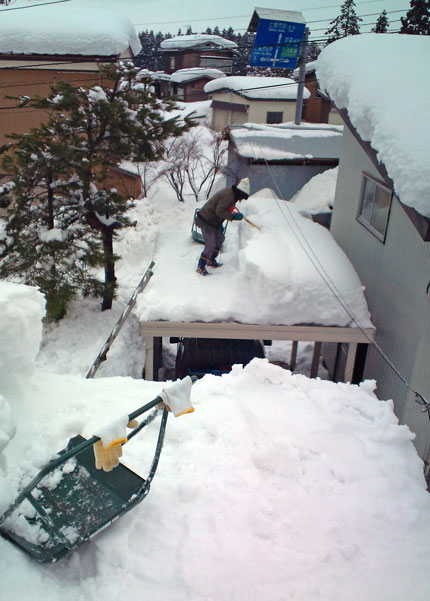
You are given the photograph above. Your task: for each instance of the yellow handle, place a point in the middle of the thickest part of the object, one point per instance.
(253, 224)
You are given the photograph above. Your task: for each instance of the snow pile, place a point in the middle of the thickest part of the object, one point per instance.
(271, 267)
(66, 29)
(273, 143)
(317, 195)
(7, 428)
(386, 91)
(257, 88)
(196, 40)
(276, 487)
(21, 311)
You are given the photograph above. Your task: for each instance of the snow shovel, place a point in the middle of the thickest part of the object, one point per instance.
(70, 501)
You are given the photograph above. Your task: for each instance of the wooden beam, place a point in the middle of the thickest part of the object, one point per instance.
(234, 330)
(149, 357)
(350, 361)
(315, 360)
(293, 356)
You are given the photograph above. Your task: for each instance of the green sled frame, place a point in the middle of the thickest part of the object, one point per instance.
(196, 232)
(70, 501)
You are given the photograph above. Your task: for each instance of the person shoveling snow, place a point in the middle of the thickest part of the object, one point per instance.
(210, 217)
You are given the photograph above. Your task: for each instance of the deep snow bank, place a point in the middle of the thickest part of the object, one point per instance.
(290, 272)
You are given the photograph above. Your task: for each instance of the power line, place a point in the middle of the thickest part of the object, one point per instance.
(313, 257)
(244, 16)
(34, 5)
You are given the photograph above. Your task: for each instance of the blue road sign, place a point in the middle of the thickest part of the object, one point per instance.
(277, 44)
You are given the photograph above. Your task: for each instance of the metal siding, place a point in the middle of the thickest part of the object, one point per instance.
(284, 180)
(31, 82)
(395, 276)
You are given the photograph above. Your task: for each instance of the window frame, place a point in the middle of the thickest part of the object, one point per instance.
(281, 113)
(381, 236)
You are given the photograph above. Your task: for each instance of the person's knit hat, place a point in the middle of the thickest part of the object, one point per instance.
(244, 186)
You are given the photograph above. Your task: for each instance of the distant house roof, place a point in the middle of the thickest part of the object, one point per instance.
(66, 30)
(198, 41)
(257, 88)
(192, 74)
(385, 90)
(287, 142)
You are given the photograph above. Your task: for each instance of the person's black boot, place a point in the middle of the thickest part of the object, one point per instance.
(213, 262)
(201, 267)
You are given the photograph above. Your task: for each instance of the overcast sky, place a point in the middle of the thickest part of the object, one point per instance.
(170, 15)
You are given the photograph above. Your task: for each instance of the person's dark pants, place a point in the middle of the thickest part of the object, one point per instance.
(213, 237)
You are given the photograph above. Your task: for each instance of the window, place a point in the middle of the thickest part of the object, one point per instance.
(274, 117)
(375, 202)
(172, 62)
(218, 62)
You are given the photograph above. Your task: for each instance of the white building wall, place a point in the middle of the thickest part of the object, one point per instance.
(256, 110)
(395, 275)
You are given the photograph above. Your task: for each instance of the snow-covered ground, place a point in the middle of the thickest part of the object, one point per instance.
(277, 487)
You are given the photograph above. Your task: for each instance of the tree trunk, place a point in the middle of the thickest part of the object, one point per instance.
(110, 279)
(106, 232)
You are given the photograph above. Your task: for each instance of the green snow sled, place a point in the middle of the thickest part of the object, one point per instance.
(196, 232)
(70, 501)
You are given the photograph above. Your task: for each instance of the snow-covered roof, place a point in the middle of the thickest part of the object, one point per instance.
(268, 266)
(383, 82)
(66, 29)
(197, 40)
(257, 88)
(287, 141)
(309, 68)
(184, 75)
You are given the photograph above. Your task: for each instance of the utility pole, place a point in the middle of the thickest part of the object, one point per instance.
(302, 73)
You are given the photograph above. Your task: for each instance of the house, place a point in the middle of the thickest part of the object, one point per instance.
(381, 215)
(50, 44)
(238, 99)
(198, 50)
(282, 157)
(42, 45)
(186, 84)
(318, 108)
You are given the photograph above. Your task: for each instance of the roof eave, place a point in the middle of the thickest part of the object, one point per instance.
(421, 223)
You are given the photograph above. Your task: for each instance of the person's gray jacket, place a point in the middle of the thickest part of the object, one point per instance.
(217, 208)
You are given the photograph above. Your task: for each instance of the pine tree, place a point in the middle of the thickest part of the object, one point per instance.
(93, 130)
(417, 20)
(347, 23)
(381, 25)
(242, 57)
(229, 34)
(313, 51)
(46, 244)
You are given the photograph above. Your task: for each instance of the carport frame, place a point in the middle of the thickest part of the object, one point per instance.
(154, 331)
